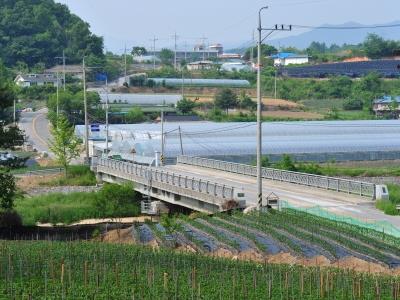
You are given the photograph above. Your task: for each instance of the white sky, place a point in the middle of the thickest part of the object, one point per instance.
(230, 22)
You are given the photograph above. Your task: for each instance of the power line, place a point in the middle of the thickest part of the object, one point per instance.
(344, 27)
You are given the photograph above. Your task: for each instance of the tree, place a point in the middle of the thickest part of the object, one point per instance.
(186, 106)
(353, 104)
(65, 144)
(8, 190)
(287, 163)
(139, 51)
(34, 32)
(166, 56)
(135, 115)
(226, 99)
(376, 47)
(11, 136)
(246, 102)
(266, 50)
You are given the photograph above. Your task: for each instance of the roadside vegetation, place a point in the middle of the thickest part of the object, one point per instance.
(111, 201)
(78, 175)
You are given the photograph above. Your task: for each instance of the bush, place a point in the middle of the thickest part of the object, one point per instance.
(10, 219)
(78, 175)
(112, 201)
(387, 207)
(353, 104)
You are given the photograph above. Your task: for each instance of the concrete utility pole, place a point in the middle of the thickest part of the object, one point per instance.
(180, 138)
(154, 40)
(259, 100)
(162, 137)
(63, 58)
(259, 112)
(15, 113)
(107, 126)
(126, 80)
(276, 74)
(175, 59)
(58, 95)
(86, 112)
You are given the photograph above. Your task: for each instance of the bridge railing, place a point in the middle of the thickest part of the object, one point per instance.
(324, 182)
(165, 178)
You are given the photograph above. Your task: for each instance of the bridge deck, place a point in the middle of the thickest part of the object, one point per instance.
(301, 196)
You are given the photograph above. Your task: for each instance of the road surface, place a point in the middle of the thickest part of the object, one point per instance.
(37, 129)
(300, 196)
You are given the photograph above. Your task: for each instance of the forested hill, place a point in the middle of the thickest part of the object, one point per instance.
(36, 31)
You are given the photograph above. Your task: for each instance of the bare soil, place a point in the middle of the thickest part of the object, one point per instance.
(119, 236)
(293, 115)
(27, 183)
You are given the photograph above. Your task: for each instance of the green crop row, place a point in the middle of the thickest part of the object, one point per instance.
(85, 270)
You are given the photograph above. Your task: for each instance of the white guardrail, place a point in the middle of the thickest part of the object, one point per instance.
(176, 183)
(324, 182)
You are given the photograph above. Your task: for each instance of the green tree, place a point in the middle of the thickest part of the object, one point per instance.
(113, 198)
(139, 51)
(246, 102)
(135, 115)
(377, 47)
(166, 56)
(8, 190)
(11, 136)
(286, 163)
(226, 99)
(65, 144)
(186, 106)
(34, 32)
(266, 50)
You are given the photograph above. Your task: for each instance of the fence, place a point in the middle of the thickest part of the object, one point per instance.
(324, 182)
(380, 226)
(167, 180)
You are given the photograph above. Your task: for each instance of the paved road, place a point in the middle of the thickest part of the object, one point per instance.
(37, 129)
(299, 196)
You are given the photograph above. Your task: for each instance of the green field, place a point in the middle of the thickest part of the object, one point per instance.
(84, 270)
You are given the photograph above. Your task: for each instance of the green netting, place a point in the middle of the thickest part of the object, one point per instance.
(380, 226)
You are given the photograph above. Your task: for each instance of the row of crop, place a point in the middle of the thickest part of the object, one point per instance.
(214, 233)
(343, 235)
(280, 220)
(238, 230)
(269, 230)
(43, 270)
(311, 238)
(365, 234)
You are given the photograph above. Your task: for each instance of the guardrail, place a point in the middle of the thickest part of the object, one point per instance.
(183, 185)
(324, 182)
(44, 172)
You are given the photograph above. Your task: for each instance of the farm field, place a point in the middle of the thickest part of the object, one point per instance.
(289, 236)
(91, 270)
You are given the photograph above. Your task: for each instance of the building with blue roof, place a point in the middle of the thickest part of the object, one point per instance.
(386, 107)
(288, 58)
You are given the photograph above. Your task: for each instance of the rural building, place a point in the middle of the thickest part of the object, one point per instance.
(386, 107)
(217, 47)
(140, 99)
(229, 56)
(288, 58)
(200, 65)
(73, 70)
(235, 66)
(28, 80)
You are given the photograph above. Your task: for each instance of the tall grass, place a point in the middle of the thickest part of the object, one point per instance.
(112, 201)
(78, 175)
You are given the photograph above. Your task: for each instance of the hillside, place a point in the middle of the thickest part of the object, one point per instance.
(36, 31)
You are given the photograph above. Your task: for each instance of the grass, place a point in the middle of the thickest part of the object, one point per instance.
(113, 201)
(78, 175)
(24, 170)
(389, 207)
(336, 170)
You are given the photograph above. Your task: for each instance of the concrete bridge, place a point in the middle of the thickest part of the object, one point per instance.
(210, 186)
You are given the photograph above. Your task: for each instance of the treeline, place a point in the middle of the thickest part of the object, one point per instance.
(35, 32)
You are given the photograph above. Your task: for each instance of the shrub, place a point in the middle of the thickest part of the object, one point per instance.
(353, 104)
(9, 219)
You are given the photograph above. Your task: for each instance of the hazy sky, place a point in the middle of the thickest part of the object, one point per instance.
(228, 22)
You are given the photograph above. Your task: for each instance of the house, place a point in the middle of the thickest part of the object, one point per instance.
(386, 107)
(28, 80)
(288, 58)
(75, 71)
(200, 65)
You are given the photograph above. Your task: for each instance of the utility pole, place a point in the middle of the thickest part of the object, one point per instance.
(154, 40)
(107, 126)
(259, 101)
(86, 113)
(126, 80)
(15, 113)
(58, 95)
(63, 58)
(162, 136)
(180, 138)
(175, 59)
(252, 51)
